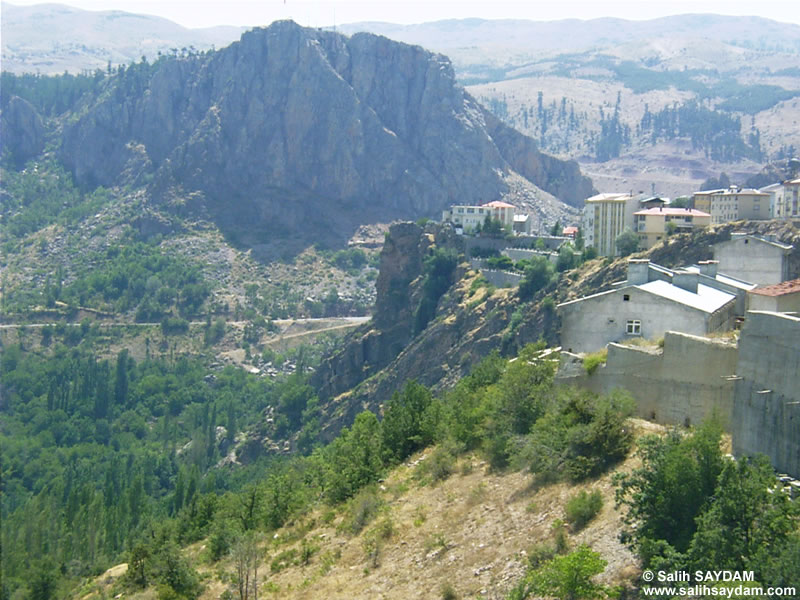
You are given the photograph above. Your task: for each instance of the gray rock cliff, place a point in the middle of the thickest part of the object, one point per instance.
(23, 130)
(293, 126)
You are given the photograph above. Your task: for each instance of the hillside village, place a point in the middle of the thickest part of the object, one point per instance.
(662, 330)
(241, 355)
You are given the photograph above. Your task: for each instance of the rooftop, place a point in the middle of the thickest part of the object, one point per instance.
(740, 235)
(706, 299)
(726, 279)
(779, 289)
(673, 212)
(499, 204)
(610, 197)
(731, 191)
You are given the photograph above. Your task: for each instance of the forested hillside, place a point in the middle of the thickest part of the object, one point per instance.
(108, 462)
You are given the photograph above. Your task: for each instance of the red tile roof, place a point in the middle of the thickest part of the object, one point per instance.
(499, 204)
(779, 289)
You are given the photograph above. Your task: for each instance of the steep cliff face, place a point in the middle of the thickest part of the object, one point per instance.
(295, 126)
(469, 323)
(562, 178)
(375, 345)
(23, 131)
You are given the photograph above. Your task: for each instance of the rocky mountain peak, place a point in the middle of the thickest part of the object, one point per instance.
(294, 127)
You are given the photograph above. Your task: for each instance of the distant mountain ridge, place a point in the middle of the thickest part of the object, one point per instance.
(53, 38)
(459, 37)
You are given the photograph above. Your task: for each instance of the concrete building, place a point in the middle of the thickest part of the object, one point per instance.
(646, 307)
(570, 232)
(502, 211)
(780, 297)
(522, 224)
(468, 217)
(654, 224)
(605, 216)
(653, 202)
(776, 200)
(710, 276)
(784, 199)
(791, 199)
(755, 259)
(685, 382)
(732, 204)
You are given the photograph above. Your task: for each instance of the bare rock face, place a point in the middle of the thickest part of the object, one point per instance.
(23, 130)
(375, 345)
(301, 128)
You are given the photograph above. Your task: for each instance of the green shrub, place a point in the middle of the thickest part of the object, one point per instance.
(582, 508)
(441, 464)
(283, 560)
(448, 592)
(538, 274)
(592, 361)
(362, 510)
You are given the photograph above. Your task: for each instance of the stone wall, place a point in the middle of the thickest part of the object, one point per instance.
(501, 278)
(687, 381)
(766, 407)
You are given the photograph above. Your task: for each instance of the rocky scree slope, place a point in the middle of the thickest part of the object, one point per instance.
(295, 127)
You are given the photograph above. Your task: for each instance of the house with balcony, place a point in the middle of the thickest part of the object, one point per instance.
(654, 224)
(470, 217)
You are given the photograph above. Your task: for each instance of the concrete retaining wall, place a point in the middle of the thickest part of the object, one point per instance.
(754, 389)
(766, 407)
(501, 278)
(683, 384)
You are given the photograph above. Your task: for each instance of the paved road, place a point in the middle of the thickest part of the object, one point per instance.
(351, 322)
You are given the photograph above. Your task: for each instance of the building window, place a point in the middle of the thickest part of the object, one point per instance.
(470, 210)
(633, 327)
(626, 297)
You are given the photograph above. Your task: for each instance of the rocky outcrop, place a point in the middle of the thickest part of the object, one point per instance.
(383, 354)
(376, 344)
(23, 131)
(295, 127)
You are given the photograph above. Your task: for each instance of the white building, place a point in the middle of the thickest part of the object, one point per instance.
(469, 217)
(647, 307)
(784, 199)
(605, 216)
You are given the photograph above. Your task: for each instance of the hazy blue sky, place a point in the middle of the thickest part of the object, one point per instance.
(200, 13)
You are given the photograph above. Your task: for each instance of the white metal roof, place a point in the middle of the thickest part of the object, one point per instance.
(706, 299)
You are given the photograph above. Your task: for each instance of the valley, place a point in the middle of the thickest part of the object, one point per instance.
(243, 354)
